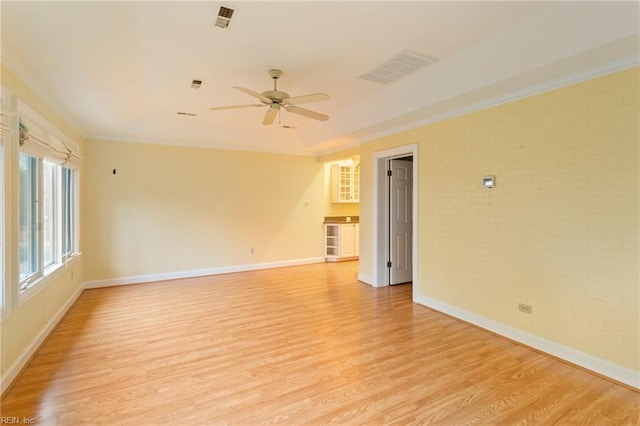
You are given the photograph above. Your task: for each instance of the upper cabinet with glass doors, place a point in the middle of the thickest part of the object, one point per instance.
(345, 182)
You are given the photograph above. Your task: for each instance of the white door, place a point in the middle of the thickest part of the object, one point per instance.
(400, 221)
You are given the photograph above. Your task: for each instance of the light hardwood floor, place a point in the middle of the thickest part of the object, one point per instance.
(306, 344)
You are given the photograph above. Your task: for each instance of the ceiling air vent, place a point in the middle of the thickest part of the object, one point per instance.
(195, 84)
(398, 66)
(224, 17)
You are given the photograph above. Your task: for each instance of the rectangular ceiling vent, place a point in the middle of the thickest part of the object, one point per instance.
(224, 17)
(398, 66)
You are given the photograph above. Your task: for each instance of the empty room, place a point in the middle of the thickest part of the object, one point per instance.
(346, 212)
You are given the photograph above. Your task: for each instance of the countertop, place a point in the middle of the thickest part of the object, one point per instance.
(341, 219)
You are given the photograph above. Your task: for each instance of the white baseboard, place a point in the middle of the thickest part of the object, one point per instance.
(365, 279)
(573, 356)
(12, 372)
(199, 272)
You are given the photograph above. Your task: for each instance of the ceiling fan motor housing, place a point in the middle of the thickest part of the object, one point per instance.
(276, 95)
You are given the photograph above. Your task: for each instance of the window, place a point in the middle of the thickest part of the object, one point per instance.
(47, 217)
(49, 213)
(68, 213)
(28, 239)
(48, 193)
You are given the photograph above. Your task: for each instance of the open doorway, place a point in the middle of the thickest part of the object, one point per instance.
(396, 242)
(400, 220)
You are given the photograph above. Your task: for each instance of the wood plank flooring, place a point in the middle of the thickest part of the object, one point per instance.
(299, 345)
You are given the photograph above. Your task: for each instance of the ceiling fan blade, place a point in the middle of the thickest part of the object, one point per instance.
(271, 114)
(235, 106)
(314, 97)
(307, 113)
(254, 94)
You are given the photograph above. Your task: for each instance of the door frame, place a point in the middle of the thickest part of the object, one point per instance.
(381, 213)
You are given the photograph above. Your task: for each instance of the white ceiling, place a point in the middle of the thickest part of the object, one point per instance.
(122, 70)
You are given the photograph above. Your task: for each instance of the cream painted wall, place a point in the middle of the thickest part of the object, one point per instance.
(560, 231)
(24, 323)
(175, 209)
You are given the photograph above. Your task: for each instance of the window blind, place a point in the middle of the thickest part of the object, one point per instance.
(4, 125)
(37, 143)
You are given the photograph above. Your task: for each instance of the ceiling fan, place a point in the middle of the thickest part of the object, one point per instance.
(276, 99)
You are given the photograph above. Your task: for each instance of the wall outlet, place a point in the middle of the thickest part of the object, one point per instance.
(527, 309)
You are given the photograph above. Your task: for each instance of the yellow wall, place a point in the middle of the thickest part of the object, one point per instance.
(560, 229)
(24, 323)
(174, 209)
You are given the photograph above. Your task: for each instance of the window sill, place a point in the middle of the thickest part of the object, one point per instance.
(50, 274)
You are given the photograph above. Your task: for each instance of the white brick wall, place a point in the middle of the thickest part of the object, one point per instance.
(559, 231)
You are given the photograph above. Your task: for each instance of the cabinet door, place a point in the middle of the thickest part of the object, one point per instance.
(345, 183)
(347, 240)
(355, 184)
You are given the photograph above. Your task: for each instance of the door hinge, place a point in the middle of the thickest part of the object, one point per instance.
(388, 264)
(389, 173)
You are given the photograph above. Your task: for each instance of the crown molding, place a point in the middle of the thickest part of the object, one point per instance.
(547, 86)
(16, 66)
(191, 144)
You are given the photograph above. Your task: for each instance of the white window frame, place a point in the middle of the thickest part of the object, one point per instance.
(32, 284)
(56, 218)
(73, 212)
(58, 224)
(35, 208)
(7, 232)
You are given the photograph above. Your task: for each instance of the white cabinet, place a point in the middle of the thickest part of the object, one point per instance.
(345, 183)
(341, 241)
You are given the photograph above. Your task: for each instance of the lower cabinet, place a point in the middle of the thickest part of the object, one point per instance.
(341, 241)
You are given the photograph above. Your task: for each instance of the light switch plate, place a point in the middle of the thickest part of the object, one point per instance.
(488, 181)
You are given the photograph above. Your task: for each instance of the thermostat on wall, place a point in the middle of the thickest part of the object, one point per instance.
(488, 181)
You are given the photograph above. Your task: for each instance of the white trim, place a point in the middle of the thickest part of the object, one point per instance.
(547, 86)
(379, 225)
(367, 279)
(46, 128)
(139, 279)
(22, 73)
(12, 372)
(195, 143)
(574, 356)
(51, 274)
(536, 89)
